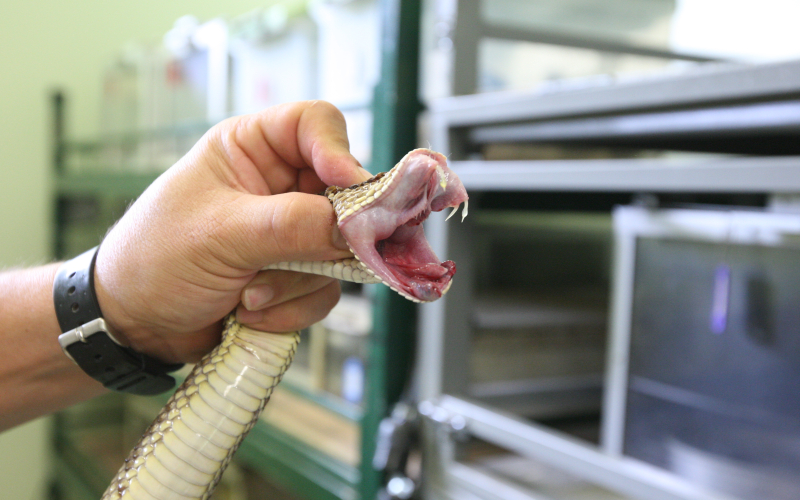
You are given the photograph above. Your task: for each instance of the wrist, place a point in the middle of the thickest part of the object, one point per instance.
(88, 339)
(112, 308)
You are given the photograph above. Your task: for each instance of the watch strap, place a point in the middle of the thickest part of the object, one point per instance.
(89, 341)
(73, 291)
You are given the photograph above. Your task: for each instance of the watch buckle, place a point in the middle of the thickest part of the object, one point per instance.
(82, 334)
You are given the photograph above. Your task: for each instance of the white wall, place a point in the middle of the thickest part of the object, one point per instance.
(43, 45)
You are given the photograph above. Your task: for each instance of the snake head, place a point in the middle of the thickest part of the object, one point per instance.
(381, 219)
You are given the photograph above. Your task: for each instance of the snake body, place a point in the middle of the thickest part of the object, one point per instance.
(184, 452)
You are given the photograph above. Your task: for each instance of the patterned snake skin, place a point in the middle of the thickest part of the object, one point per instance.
(183, 454)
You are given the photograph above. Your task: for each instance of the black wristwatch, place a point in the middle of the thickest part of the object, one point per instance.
(90, 343)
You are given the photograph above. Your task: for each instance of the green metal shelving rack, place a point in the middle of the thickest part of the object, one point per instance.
(296, 466)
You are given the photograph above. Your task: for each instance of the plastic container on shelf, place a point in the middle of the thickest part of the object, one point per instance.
(331, 355)
(346, 327)
(273, 58)
(155, 109)
(159, 97)
(136, 103)
(349, 34)
(119, 108)
(196, 84)
(359, 132)
(212, 40)
(187, 72)
(349, 50)
(125, 88)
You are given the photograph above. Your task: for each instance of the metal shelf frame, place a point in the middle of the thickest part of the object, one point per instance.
(764, 174)
(471, 28)
(740, 120)
(702, 86)
(569, 454)
(458, 126)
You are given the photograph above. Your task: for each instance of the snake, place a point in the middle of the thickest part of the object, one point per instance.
(184, 452)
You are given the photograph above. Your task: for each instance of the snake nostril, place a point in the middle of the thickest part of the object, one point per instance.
(75, 307)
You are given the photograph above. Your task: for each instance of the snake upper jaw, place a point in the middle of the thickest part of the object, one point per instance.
(386, 234)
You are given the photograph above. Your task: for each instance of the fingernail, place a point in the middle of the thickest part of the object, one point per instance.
(338, 239)
(249, 317)
(257, 296)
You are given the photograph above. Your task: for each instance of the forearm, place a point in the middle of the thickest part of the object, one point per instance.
(36, 377)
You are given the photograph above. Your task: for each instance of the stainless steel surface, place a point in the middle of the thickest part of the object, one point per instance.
(759, 119)
(431, 321)
(711, 83)
(629, 477)
(614, 393)
(725, 227)
(715, 175)
(463, 478)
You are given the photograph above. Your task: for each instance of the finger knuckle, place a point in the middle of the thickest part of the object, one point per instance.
(287, 227)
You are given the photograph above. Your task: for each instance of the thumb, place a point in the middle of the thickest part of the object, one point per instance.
(286, 227)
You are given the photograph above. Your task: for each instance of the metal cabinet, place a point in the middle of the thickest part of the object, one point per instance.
(559, 161)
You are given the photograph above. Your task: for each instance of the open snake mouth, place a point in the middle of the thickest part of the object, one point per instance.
(383, 224)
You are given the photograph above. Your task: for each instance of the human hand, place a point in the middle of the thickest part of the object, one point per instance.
(192, 245)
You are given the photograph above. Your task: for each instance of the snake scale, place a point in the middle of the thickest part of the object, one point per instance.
(184, 452)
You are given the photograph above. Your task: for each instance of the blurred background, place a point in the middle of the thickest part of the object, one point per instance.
(624, 322)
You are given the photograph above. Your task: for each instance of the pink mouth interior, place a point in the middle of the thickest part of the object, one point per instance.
(388, 236)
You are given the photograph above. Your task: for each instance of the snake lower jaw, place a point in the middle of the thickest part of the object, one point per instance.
(386, 234)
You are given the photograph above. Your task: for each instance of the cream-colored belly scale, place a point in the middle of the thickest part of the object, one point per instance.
(183, 454)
